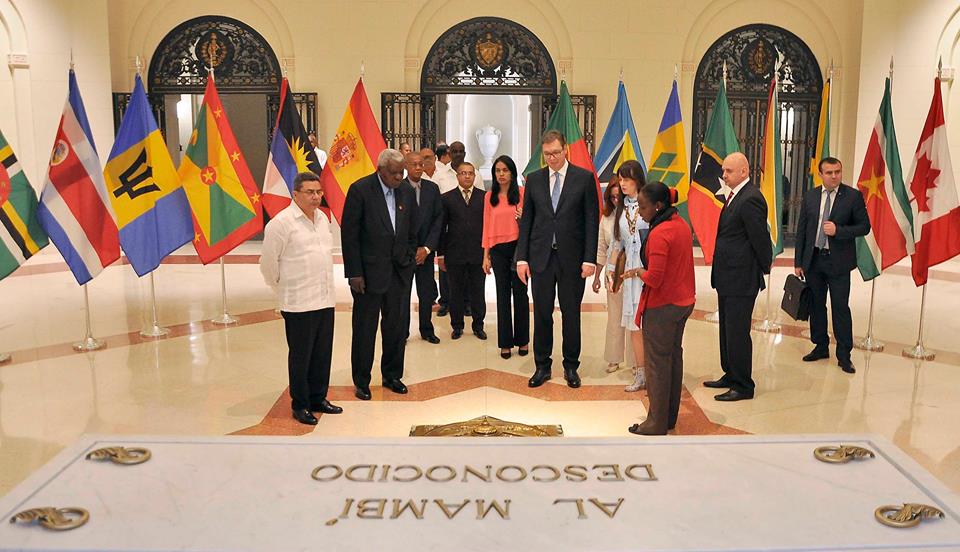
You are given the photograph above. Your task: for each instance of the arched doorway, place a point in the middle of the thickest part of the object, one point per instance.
(750, 53)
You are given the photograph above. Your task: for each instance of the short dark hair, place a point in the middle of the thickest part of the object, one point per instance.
(441, 149)
(657, 192)
(467, 163)
(828, 161)
(552, 136)
(305, 176)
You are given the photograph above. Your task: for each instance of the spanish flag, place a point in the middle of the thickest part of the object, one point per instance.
(223, 196)
(353, 151)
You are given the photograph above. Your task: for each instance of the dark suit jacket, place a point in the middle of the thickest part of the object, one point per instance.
(462, 235)
(575, 224)
(429, 213)
(743, 253)
(371, 247)
(848, 212)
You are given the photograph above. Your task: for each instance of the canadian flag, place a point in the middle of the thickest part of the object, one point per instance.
(933, 195)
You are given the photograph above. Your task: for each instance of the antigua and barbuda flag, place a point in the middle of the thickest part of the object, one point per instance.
(21, 236)
(223, 197)
(75, 208)
(619, 141)
(151, 207)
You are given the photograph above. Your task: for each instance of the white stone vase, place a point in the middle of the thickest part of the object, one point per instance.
(488, 139)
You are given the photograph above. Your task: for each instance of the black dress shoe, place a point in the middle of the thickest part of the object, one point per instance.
(539, 378)
(816, 354)
(716, 384)
(396, 386)
(734, 395)
(572, 377)
(480, 334)
(505, 354)
(457, 334)
(848, 367)
(362, 393)
(443, 310)
(326, 407)
(523, 352)
(305, 417)
(430, 338)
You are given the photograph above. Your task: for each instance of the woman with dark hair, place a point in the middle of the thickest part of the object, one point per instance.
(669, 294)
(618, 344)
(500, 232)
(629, 233)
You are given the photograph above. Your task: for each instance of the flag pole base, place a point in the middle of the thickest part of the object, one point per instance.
(90, 343)
(713, 317)
(154, 331)
(4, 357)
(225, 319)
(919, 352)
(868, 343)
(767, 326)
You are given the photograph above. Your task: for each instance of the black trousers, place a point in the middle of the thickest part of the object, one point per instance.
(824, 277)
(736, 346)
(513, 324)
(426, 295)
(466, 282)
(567, 285)
(310, 344)
(444, 300)
(387, 309)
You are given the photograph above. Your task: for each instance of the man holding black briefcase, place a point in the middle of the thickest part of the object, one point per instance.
(831, 218)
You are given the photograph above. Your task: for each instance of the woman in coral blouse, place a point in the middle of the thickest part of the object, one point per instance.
(501, 213)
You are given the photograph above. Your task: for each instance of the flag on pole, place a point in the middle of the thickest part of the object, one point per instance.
(668, 162)
(151, 207)
(881, 183)
(74, 206)
(822, 148)
(619, 142)
(353, 151)
(290, 153)
(564, 120)
(21, 236)
(719, 140)
(223, 197)
(771, 172)
(933, 195)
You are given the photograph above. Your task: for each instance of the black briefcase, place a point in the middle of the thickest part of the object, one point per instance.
(796, 298)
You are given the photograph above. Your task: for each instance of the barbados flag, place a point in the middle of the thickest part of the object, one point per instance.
(619, 141)
(151, 207)
(223, 196)
(21, 236)
(669, 159)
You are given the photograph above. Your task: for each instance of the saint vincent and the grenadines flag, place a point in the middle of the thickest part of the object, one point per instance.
(668, 162)
(21, 236)
(150, 204)
(290, 153)
(619, 142)
(771, 172)
(353, 151)
(223, 197)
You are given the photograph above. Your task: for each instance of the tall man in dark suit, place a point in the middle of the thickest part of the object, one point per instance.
(831, 218)
(461, 250)
(558, 246)
(379, 246)
(427, 223)
(743, 254)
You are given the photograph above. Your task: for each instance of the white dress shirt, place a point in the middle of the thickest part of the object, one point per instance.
(733, 193)
(446, 178)
(321, 157)
(550, 184)
(297, 260)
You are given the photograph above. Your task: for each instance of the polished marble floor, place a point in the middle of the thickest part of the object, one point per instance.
(206, 379)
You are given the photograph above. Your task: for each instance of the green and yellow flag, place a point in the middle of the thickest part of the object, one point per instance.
(823, 137)
(668, 163)
(21, 236)
(771, 177)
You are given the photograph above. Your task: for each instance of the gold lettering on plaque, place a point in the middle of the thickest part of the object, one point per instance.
(470, 470)
(908, 515)
(344, 514)
(371, 470)
(609, 471)
(502, 471)
(383, 476)
(121, 455)
(418, 471)
(398, 510)
(556, 473)
(494, 505)
(446, 510)
(581, 513)
(649, 468)
(605, 506)
(371, 512)
(575, 473)
(316, 472)
(452, 474)
(55, 519)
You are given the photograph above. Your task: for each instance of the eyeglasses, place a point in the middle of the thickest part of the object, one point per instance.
(557, 153)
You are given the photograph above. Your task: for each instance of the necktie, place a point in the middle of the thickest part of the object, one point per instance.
(391, 208)
(555, 194)
(821, 236)
(466, 196)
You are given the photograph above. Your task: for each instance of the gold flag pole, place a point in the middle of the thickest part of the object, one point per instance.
(715, 315)
(768, 324)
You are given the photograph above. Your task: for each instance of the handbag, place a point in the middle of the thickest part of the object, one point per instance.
(796, 298)
(618, 269)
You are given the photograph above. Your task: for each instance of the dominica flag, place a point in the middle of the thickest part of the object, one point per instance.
(564, 119)
(823, 137)
(704, 205)
(151, 207)
(881, 183)
(771, 171)
(223, 197)
(619, 142)
(290, 153)
(353, 151)
(668, 162)
(20, 234)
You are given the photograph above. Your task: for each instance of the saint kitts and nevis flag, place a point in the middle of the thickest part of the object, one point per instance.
(619, 142)
(564, 120)
(152, 212)
(74, 205)
(933, 195)
(771, 172)
(223, 197)
(353, 151)
(290, 153)
(668, 162)
(21, 236)
(881, 183)
(704, 206)
(823, 137)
